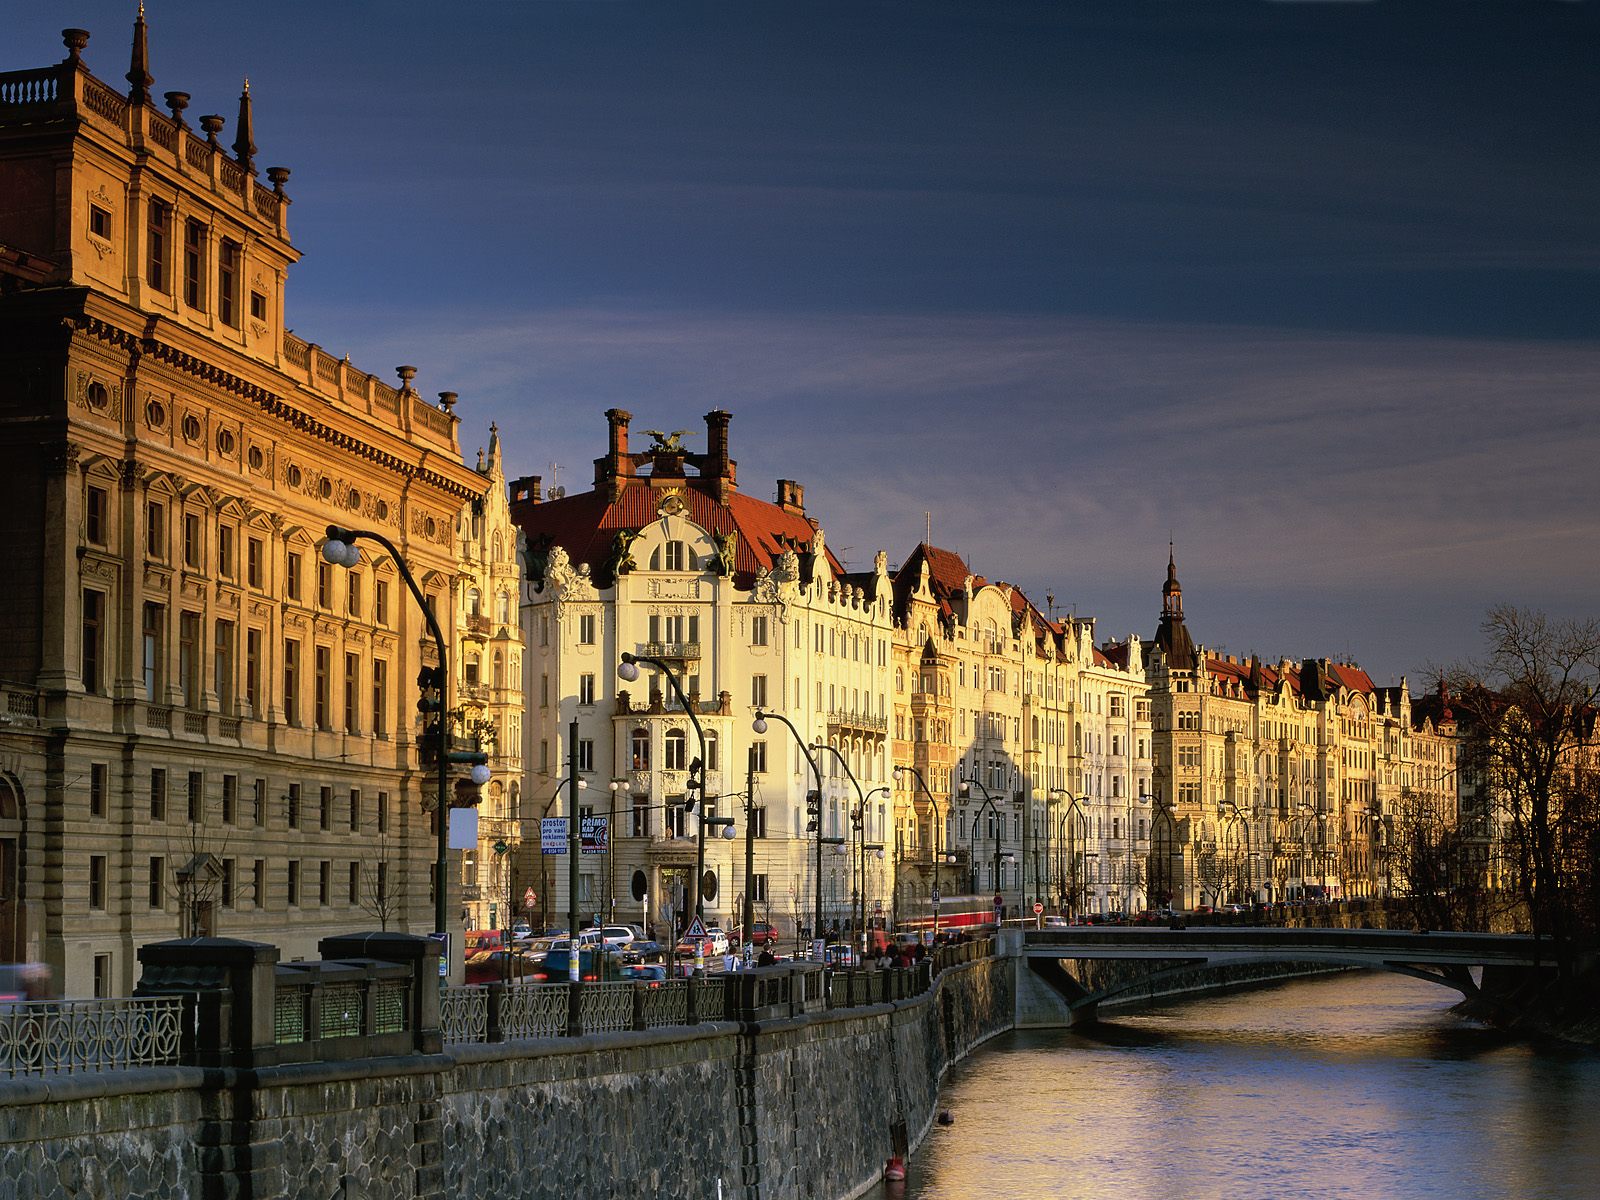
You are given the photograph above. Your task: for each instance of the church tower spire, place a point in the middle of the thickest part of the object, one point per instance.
(138, 76)
(1172, 635)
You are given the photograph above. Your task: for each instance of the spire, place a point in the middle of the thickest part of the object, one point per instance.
(1172, 635)
(244, 146)
(138, 77)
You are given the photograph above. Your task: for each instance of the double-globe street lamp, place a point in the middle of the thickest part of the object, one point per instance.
(938, 838)
(813, 802)
(694, 804)
(857, 822)
(1071, 821)
(999, 825)
(866, 848)
(341, 550)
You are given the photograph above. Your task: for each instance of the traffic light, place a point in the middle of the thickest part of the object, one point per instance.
(694, 787)
(430, 703)
(814, 811)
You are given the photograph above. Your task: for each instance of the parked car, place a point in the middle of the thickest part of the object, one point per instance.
(654, 974)
(594, 965)
(1056, 922)
(842, 954)
(761, 934)
(616, 935)
(491, 966)
(521, 930)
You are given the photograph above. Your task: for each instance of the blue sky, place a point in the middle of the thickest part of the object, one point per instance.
(1310, 287)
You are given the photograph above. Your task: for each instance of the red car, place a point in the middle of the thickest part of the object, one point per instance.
(761, 935)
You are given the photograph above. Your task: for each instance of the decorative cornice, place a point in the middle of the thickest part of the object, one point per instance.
(270, 403)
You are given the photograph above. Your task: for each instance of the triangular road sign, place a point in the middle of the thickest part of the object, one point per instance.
(695, 930)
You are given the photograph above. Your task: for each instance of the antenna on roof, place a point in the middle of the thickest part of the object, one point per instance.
(927, 528)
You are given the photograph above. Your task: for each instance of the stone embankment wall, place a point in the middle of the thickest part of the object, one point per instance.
(802, 1108)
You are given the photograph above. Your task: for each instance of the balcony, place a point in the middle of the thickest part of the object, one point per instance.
(478, 626)
(858, 722)
(675, 651)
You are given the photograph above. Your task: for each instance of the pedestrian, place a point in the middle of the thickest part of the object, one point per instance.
(767, 958)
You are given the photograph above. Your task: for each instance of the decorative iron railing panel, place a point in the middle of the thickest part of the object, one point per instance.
(606, 1007)
(533, 1010)
(341, 1010)
(464, 1014)
(666, 1004)
(52, 1037)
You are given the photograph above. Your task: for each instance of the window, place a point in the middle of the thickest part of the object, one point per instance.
(98, 777)
(222, 664)
(94, 616)
(325, 808)
(758, 889)
(354, 883)
(258, 883)
(258, 805)
(157, 272)
(258, 306)
(157, 882)
(294, 884)
(352, 695)
(192, 540)
(677, 751)
(380, 602)
(383, 812)
(758, 821)
(97, 882)
(324, 584)
(194, 263)
(225, 551)
(352, 593)
(380, 698)
(252, 670)
(99, 222)
(586, 630)
(155, 529)
(158, 794)
(228, 267)
(292, 806)
(94, 515)
(758, 757)
(189, 658)
(252, 562)
(586, 754)
(641, 816)
(758, 631)
(230, 799)
(197, 797)
(291, 682)
(639, 749)
(758, 690)
(229, 878)
(355, 810)
(324, 882)
(320, 684)
(586, 689)
(291, 582)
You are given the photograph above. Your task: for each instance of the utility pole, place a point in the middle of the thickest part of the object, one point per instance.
(749, 844)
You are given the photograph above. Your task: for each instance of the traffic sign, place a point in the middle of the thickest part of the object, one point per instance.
(935, 895)
(877, 907)
(1037, 908)
(529, 898)
(696, 930)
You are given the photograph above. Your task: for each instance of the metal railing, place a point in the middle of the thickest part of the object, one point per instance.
(41, 1037)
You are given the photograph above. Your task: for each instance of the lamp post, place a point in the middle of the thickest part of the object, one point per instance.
(866, 848)
(616, 785)
(999, 826)
(938, 836)
(628, 669)
(341, 550)
(1069, 873)
(861, 799)
(813, 799)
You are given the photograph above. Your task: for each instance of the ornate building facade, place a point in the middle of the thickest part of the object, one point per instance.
(208, 729)
(743, 602)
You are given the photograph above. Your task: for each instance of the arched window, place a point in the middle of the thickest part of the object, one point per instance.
(677, 753)
(499, 670)
(711, 752)
(639, 749)
(470, 671)
(474, 602)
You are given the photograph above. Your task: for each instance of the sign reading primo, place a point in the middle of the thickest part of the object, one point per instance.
(594, 832)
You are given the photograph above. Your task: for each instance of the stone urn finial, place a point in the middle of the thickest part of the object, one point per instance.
(212, 124)
(407, 374)
(176, 102)
(75, 40)
(278, 176)
(447, 400)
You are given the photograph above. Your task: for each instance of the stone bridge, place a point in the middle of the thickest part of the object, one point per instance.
(1064, 976)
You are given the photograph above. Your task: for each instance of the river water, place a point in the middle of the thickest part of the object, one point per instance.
(1360, 1085)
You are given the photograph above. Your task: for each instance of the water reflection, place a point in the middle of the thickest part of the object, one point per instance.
(1357, 1086)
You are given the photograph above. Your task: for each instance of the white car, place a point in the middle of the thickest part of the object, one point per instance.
(617, 935)
(718, 941)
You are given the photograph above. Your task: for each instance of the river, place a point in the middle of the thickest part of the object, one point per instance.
(1360, 1085)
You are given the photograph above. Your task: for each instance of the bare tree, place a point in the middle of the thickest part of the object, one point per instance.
(1528, 712)
(378, 897)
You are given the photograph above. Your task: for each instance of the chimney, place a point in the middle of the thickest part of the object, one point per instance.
(792, 497)
(719, 468)
(524, 490)
(617, 465)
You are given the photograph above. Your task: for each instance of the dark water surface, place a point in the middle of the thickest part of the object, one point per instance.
(1361, 1085)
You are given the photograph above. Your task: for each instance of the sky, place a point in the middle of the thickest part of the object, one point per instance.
(1310, 289)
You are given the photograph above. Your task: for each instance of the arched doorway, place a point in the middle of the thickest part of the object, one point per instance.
(13, 926)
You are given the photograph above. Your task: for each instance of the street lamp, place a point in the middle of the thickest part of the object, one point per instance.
(813, 799)
(999, 825)
(874, 848)
(938, 855)
(341, 550)
(861, 798)
(628, 669)
(1070, 820)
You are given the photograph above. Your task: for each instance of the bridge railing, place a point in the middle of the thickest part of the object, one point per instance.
(221, 1002)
